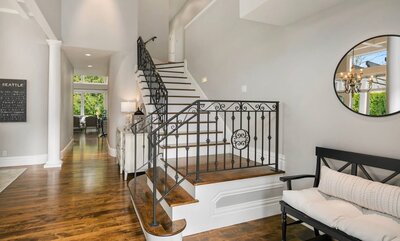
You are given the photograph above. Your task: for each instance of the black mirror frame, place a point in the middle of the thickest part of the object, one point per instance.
(334, 76)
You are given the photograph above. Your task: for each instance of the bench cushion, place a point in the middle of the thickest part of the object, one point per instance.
(368, 194)
(343, 215)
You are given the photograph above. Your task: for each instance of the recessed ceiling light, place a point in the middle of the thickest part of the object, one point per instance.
(88, 55)
(90, 66)
(204, 80)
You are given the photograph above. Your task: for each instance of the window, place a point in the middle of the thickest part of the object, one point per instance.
(378, 58)
(77, 104)
(356, 102)
(377, 103)
(90, 79)
(94, 104)
(89, 103)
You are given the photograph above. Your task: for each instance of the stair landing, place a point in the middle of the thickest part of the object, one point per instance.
(212, 173)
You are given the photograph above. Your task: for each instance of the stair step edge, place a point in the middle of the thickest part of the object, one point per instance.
(141, 198)
(169, 199)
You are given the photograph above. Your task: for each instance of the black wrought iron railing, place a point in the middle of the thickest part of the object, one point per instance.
(158, 91)
(205, 136)
(211, 136)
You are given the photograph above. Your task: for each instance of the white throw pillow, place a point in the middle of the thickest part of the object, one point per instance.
(368, 194)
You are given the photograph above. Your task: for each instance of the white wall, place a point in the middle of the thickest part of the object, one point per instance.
(106, 25)
(100, 24)
(295, 65)
(154, 21)
(66, 101)
(177, 24)
(122, 87)
(24, 55)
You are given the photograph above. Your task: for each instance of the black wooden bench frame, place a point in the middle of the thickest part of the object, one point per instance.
(357, 162)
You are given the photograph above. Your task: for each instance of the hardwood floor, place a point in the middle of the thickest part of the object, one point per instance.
(266, 229)
(88, 200)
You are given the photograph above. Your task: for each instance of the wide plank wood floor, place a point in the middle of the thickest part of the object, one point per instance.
(87, 199)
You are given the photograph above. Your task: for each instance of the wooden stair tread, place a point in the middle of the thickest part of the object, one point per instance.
(174, 89)
(229, 174)
(183, 145)
(169, 82)
(194, 133)
(187, 113)
(178, 196)
(171, 67)
(143, 201)
(165, 63)
(171, 71)
(190, 123)
(178, 96)
(172, 77)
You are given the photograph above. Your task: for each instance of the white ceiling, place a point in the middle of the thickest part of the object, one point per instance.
(14, 7)
(282, 12)
(99, 59)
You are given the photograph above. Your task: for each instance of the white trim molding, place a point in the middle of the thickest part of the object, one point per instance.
(111, 151)
(23, 160)
(67, 148)
(199, 14)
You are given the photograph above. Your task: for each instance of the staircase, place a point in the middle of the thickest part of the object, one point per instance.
(211, 163)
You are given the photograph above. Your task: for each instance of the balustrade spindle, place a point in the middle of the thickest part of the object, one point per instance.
(216, 140)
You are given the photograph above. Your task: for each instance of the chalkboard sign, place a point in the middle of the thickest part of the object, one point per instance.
(12, 100)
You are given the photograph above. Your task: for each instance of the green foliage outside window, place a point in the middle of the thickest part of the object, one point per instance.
(356, 102)
(377, 103)
(77, 104)
(94, 102)
(89, 79)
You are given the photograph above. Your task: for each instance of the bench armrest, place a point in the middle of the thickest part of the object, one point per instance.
(288, 179)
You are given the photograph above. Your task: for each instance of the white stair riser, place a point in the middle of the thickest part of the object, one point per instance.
(209, 214)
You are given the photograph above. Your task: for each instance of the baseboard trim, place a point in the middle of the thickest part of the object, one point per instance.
(67, 148)
(23, 160)
(111, 151)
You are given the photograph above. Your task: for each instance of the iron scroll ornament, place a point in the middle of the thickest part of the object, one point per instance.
(240, 139)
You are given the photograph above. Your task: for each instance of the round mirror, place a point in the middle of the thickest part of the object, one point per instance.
(367, 79)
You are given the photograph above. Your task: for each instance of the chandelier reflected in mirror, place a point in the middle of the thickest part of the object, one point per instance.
(352, 80)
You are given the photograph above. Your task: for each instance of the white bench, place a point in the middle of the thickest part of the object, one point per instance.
(345, 206)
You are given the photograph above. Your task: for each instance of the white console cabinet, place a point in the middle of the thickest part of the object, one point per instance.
(126, 151)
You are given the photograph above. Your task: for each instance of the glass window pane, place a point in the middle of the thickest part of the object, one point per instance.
(94, 79)
(356, 102)
(377, 103)
(77, 104)
(94, 104)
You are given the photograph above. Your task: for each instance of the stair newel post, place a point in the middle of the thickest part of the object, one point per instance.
(198, 144)
(277, 138)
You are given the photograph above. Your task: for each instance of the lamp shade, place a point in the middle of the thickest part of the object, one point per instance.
(128, 106)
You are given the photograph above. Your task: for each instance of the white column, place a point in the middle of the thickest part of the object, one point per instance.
(393, 75)
(364, 98)
(54, 114)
